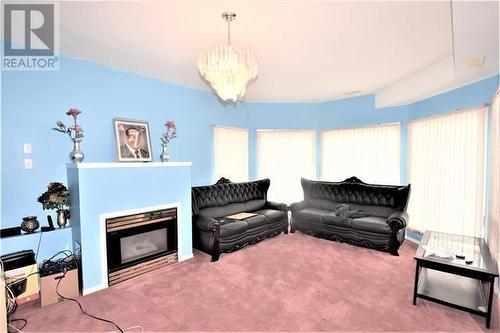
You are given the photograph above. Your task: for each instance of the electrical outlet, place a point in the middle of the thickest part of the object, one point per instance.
(27, 148)
(28, 163)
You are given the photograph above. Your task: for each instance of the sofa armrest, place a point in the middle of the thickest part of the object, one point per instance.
(297, 206)
(398, 220)
(205, 223)
(276, 206)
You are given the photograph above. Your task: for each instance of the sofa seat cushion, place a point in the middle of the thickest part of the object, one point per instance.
(311, 214)
(256, 221)
(333, 219)
(233, 228)
(372, 224)
(272, 215)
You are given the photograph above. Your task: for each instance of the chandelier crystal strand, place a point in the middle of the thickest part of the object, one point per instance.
(228, 71)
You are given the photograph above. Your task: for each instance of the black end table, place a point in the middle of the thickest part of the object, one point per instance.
(451, 281)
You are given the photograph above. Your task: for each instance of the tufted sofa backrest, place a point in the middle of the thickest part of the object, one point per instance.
(227, 193)
(354, 191)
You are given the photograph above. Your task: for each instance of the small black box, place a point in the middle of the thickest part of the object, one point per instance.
(18, 259)
(7, 232)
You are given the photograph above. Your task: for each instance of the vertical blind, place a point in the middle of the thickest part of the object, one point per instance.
(446, 170)
(372, 154)
(494, 188)
(231, 153)
(285, 157)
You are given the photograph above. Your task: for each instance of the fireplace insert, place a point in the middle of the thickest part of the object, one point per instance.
(139, 243)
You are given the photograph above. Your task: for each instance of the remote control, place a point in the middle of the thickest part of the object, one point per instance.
(468, 262)
(460, 256)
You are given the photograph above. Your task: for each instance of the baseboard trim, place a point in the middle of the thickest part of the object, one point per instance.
(87, 291)
(182, 258)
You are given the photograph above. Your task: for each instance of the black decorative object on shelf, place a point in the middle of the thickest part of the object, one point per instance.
(51, 224)
(8, 232)
(29, 224)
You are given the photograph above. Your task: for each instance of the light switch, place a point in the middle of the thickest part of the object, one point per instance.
(28, 163)
(27, 148)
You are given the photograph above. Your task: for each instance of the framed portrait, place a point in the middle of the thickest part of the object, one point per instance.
(132, 140)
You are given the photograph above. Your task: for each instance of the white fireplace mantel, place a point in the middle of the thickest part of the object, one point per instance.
(128, 165)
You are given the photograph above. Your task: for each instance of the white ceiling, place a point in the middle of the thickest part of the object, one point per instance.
(308, 51)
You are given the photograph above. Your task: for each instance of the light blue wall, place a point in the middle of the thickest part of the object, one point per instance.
(32, 102)
(50, 243)
(471, 95)
(357, 112)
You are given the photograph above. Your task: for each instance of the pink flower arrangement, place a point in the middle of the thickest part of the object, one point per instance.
(74, 112)
(171, 132)
(75, 131)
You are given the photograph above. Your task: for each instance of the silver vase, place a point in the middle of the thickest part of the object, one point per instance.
(165, 157)
(76, 155)
(62, 218)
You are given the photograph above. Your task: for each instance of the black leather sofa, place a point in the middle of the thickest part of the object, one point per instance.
(214, 234)
(354, 212)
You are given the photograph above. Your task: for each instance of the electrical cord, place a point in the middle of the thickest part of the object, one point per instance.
(80, 306)
(49, 265)
(30, 273)
(11, 305)
(16, 328)
(38, 246)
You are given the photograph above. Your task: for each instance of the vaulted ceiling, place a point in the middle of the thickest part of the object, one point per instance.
(308, 51)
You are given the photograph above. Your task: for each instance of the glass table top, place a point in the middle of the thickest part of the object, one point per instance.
(443, 247)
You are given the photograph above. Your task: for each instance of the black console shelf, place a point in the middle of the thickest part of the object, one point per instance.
(35, 233)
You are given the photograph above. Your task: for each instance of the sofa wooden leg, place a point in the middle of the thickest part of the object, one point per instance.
(394, 253)
(215, 256)
(215, 243)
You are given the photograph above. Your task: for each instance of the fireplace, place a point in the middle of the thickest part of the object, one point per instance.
(140, 243)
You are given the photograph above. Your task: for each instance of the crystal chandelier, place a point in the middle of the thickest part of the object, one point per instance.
(228, 71)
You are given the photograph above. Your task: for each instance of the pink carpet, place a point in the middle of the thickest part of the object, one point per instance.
(288, 283)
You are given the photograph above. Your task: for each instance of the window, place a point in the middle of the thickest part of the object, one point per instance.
(373, 154)
(446, 170)
(231, 153)
(494, 190)
(284, 157)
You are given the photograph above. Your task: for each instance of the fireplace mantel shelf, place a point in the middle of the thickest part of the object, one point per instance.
(128, 165)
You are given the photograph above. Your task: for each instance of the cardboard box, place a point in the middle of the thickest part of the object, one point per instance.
(68, 287)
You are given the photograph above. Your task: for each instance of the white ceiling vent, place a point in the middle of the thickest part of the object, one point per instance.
(352, 92)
